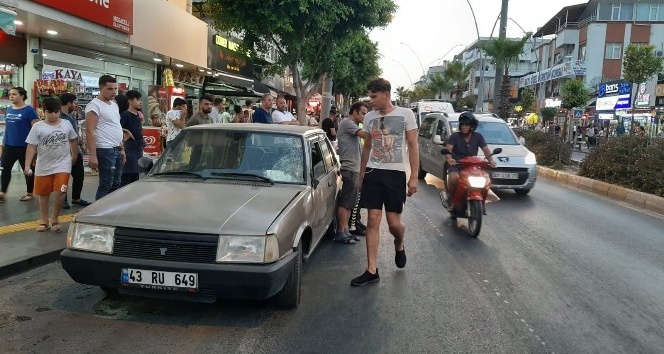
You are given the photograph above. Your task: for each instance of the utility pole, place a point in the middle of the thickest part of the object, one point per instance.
(499, 69)
(327, 98)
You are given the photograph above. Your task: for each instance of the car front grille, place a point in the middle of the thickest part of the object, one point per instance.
(165, 245)
(522, 172)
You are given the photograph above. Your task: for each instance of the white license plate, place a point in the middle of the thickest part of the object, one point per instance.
(505, 175)
(159, 280)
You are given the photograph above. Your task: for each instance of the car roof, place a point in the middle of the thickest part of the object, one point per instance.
(259, 127)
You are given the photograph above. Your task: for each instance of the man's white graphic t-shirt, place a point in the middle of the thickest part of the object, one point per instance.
(173, 131)
(389, 150)
(53, 150)
(109, 129)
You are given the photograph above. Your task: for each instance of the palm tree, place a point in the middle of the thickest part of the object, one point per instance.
(401, 92)
(439, 84)
(505, 52)
(458, 73)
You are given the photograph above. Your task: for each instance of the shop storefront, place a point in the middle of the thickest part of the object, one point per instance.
(614, 97)
(13, 55)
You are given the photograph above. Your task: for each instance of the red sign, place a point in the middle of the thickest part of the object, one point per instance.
(115, 14)
(152, 137)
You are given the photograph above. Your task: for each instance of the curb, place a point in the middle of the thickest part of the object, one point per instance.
(29, 263)
(634, 198)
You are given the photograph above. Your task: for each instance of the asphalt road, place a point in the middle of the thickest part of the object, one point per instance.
(558, 271)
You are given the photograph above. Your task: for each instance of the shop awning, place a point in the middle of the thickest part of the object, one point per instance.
(263, 88)
(232, 80)
(7, 18)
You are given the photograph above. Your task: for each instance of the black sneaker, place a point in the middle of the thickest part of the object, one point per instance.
(81, 202)
(358, 232)
(66, 205)
(400, 258)
(365, 279)
(360, 225)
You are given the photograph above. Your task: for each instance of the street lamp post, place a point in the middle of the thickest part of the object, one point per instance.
(406, 71)
(416, 56)
(479, 105)
(444, 55)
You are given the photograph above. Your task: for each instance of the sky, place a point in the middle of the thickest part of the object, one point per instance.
(431, 29)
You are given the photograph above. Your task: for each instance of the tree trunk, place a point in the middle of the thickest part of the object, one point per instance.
(303, 94)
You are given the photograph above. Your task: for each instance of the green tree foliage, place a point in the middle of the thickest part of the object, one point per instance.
(439, 84)
(420, 93)
(548, 113)
(306, 35)
(458, 73)
(573, 93)
(527, 99)
(640, 65)
(549, 150)
(505, 52)
(356, 64)
(402, 95)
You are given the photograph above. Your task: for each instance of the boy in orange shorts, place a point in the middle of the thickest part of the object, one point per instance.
(53, 140)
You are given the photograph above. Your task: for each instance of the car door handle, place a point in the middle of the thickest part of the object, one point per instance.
(329, 183)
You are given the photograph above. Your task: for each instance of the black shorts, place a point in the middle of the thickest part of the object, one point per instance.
(383, 188)
(349, 190)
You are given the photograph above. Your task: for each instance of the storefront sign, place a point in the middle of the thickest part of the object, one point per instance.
(611, 103)
(659, 101)
(223, 55)
(115, 14)
(613, 88)
(552, 102)
(559, 71)
(642, 98)
(152, 137)
(605, 115)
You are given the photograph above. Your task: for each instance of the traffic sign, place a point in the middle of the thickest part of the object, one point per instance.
(578, 113)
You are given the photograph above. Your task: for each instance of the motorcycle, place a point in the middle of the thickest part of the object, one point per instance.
(472, 190)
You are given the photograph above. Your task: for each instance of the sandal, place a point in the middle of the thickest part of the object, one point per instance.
(42, 227)
(56, 227)
(27, 198)
(345, 240)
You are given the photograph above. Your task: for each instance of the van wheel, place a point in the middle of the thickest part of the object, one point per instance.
(289, 296)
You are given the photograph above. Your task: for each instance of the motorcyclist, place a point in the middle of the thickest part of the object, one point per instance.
(464, 143)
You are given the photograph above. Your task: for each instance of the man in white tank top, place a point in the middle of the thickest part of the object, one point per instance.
(104, 136)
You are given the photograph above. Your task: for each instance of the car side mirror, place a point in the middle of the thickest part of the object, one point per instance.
(145, 163)
(314, 182)
(497, 151)
(437, 140)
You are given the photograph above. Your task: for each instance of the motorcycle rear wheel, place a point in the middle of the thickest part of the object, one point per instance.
(474, 217)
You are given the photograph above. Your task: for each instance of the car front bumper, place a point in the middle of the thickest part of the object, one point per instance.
(527, 177)
(236, 281)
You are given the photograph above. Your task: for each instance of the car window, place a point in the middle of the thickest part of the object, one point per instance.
(218, 153)
(441, 129)
(317, 163)
(426, 130)
(328, 157)
(497, 133)
(333, 157)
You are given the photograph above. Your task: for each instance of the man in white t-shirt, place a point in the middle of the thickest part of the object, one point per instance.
(388, 153)
(217, 108)
(104, 136)
(175, 119)
(281, 115)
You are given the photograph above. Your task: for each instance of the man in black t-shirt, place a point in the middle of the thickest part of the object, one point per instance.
(329, 125)
(464, 143)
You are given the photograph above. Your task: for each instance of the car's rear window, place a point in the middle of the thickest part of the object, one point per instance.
(493, 132)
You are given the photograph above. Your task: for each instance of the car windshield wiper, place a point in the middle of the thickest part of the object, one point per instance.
(179, 173)
(238, 174)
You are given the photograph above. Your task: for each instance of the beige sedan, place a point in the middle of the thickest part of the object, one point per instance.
(228, 211)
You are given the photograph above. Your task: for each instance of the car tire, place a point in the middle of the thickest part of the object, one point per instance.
(421, 173)
(109, 291)
(522, 191)
(289, 296)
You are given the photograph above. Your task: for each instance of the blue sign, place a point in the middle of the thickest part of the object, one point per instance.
(578, 113)
(614, 88)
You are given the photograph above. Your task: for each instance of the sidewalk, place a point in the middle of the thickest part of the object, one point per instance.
(21, 247)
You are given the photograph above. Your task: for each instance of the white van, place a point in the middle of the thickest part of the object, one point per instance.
(424, 107)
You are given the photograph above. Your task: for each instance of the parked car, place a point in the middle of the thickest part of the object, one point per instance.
(516, 165)
(228, 211)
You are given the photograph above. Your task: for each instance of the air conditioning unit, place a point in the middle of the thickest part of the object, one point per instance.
(659, 53)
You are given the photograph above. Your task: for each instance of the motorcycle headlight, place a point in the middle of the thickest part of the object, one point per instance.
(477, 182)
(530, 159)
(89, 237)
(247, 249)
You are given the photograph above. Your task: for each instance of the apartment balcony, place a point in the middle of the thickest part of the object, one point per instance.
(568, 34)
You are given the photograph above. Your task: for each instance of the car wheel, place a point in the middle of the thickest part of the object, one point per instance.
(289, 296)
(522, 191)
(422, 173)
(109, 291)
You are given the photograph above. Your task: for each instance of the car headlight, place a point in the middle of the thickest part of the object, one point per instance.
(88, 237)
(247, 249)
(530, 159)
(477, 182)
